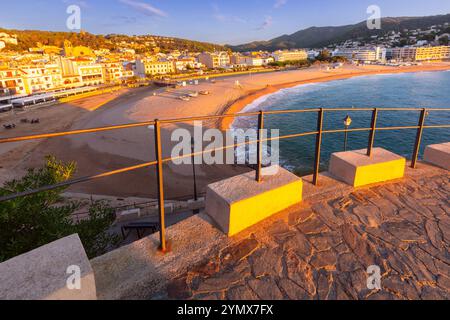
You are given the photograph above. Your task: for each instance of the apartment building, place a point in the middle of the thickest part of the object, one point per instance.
(418, 53)
(11, 82)
(36, 79)
(401, 54)
(184, 63)
(29, 79)
(152, 67)
(91, 73)
(360, 54)
(295, 55)
(215, 60)
(80, 72)
(252, 61)
(7, 39)
(114, 72)
(433, 53)
(53, 70)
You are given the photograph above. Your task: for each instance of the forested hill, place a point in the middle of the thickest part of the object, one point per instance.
(30, 38)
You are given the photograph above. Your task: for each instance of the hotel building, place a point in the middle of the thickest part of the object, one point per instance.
(418, 53)
(433, 53)
(296, 55)
(360, 54)
(401, 54)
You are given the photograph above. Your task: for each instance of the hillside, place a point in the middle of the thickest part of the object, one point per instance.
(316, 37)
(29, 38)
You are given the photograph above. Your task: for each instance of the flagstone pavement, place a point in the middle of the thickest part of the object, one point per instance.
(323, 249)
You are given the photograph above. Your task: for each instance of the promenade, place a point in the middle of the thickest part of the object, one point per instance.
(323, 249)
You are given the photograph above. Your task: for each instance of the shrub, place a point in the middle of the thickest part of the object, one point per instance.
(27, 223)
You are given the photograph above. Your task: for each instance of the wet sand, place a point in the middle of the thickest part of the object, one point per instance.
(101, 152)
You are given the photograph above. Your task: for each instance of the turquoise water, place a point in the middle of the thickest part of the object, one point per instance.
(417, 90)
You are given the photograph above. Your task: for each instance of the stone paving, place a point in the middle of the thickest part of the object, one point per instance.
(322, 250)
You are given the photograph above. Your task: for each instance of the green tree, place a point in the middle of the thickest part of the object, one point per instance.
(29, 222)
(444, 41)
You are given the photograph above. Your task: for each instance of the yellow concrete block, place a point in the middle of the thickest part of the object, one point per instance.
(240, 202)
(357, 169)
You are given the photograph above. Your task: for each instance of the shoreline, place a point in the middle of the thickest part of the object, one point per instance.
(238, 105)
(106, 151)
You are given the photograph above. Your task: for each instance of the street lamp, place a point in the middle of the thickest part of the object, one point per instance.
(347, 124)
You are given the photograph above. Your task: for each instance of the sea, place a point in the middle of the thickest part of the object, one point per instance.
(407, 90)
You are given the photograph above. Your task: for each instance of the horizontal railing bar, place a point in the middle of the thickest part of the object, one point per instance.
(76, 181)
(396, 128)
(400, 109)
(76, 132)
(438, 109)
(144, 165)
(346, 130)
(166, 160)
(212, 117)
(275, 112)
(347, 109)
(437, 126)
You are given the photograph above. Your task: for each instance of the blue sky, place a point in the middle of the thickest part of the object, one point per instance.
(219, 21)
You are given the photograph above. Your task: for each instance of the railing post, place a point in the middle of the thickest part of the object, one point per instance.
(423, 115)
(159, 174)
(260, 146)
(196, 211)
(372, 132)
(318, 146)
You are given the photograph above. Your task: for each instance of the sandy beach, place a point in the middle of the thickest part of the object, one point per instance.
(100, 152)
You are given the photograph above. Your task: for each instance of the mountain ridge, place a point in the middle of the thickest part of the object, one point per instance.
(317, 37)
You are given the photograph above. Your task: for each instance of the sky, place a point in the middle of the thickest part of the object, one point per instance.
(217, 21)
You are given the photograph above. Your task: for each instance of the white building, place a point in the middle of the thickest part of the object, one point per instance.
(215, 60)
(252, 61)
(361, 54)
(295, 55)
(152, 67)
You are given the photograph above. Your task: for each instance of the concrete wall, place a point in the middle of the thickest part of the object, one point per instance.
(42, 274)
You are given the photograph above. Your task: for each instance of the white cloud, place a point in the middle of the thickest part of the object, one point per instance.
(279, 3)
(219, 16)
(268, 21)
(144, 8)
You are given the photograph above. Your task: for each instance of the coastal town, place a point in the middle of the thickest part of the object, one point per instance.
(55, 71)
(138, 164)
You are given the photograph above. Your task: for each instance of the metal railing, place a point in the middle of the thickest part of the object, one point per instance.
(160, 161)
